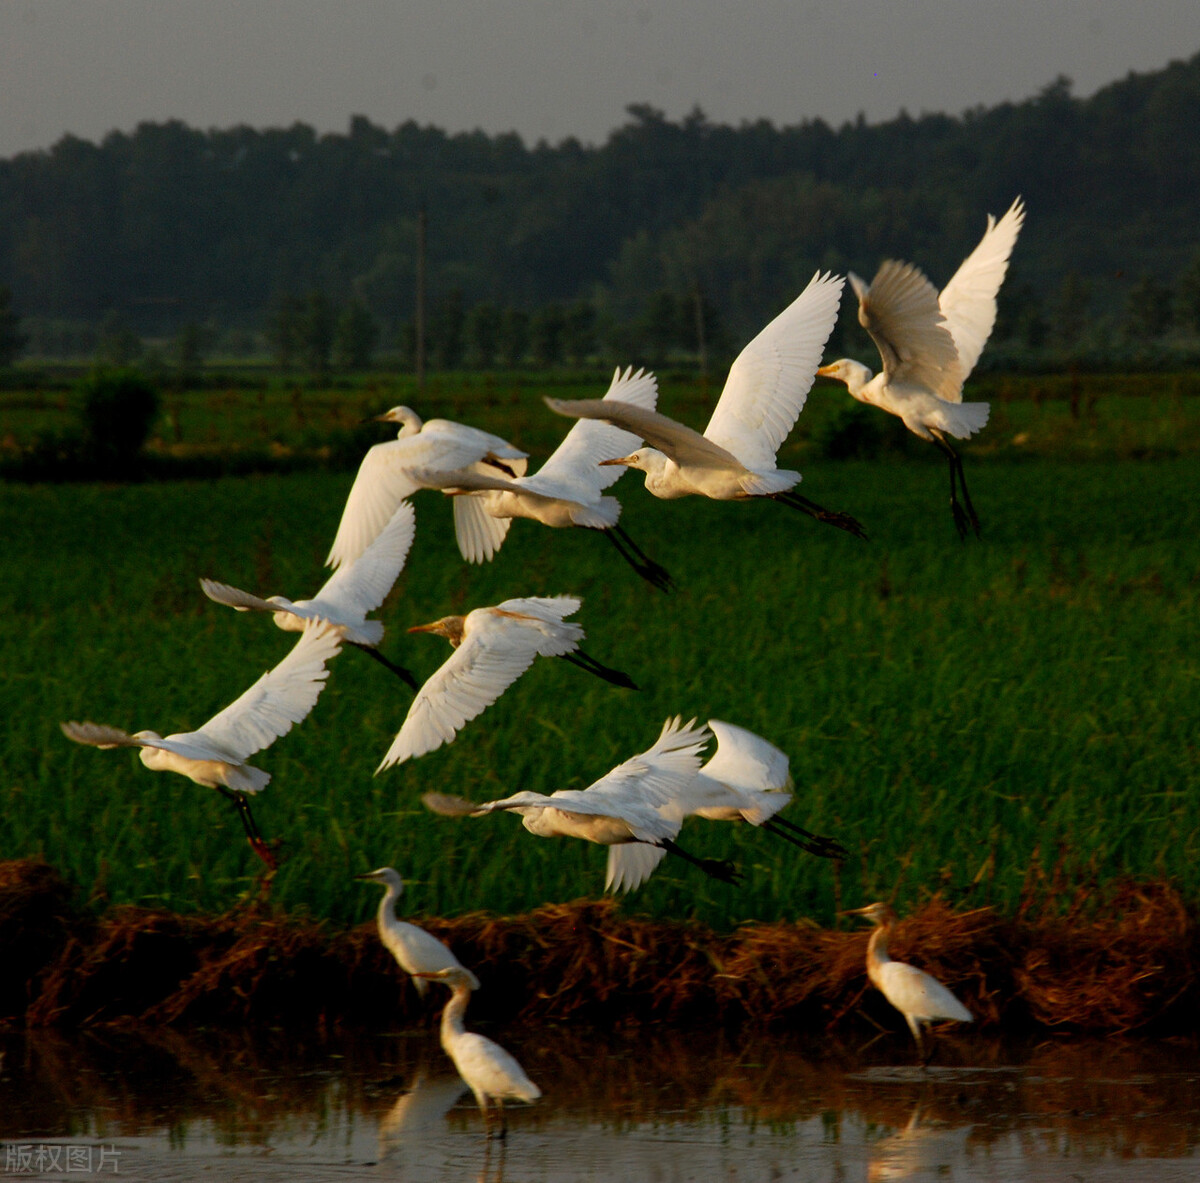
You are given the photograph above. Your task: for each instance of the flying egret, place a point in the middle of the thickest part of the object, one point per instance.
(565, 491)
(734, 459)
(215, 755)
(493, 647)
(417, 951)
(621, 807)
(386, 474)
(919, 997)
(929, 344)
(747, 779)
(491, 1072)
(346, 597)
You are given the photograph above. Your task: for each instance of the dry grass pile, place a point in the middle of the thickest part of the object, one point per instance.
(1118, 960)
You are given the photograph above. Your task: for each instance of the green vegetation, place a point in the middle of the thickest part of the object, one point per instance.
(956, 714)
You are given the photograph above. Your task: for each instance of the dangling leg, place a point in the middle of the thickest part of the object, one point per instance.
(398, 670)
(798, 836)
(962, 522)
(646, 567)
(253, 836)
(720, 869)
(585, 662)
(843, 521)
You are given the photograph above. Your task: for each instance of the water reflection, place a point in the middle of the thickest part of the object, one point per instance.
(632, 1106)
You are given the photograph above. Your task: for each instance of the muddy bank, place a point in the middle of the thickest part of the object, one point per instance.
(1118, 959)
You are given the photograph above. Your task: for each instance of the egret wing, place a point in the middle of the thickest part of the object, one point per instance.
(968, 301)
(496, 650)
(658, 776)
(282, 697)
(900, 311)
(100, 735)
(915, 993)
(630, 864)
(675, 440)
(480, 534)
(576, 461)
(746, 761)
(234, 597)
(360, 587)
(769, 380)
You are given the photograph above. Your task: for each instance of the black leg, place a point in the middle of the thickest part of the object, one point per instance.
(720, 869)
(585, 662)
(398, 670)
(962, 521)
(646, 567)
(253, 836)
(798, 836)
(843, 521)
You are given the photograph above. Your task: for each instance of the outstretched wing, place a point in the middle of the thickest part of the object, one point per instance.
(771, 377)
(360, 587)
(657, 776)
(282, 697)
(630, 864)
(234, 597)
(679, 442)
(968, 301)
(499, 645)
(100, 735)
(900, 311)
(576, 461)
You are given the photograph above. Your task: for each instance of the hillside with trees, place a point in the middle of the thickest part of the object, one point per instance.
(668, 236)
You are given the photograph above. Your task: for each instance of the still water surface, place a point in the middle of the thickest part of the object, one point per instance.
(629, 1106)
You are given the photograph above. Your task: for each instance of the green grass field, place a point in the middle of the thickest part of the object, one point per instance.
(955, 713)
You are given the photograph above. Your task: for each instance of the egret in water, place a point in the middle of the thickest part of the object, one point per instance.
(493, 647)
(920, 998)
(734, 460)
(347, 596)
(624, 806)
(566, 491)
(929, 344)
(215, 755)
(491, 1072)
(417, 951)
(386, 475)
(747, 779)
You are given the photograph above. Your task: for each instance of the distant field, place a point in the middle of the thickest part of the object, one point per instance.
(956, 714)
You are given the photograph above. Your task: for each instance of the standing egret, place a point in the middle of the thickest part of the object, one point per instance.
(385, 476)
(565, 491)
(346, 597)
(215, 755)
(747, 779)
(493, 647)
(624, 806)
(491, 1072)
(417, 951)
(734, 459)
(929, 345)
(919, 997)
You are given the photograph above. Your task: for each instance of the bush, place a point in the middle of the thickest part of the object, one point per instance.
(119, 408)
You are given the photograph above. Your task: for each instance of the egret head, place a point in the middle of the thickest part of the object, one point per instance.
(450, 627)
(853, 373)
(878, 913)
(647, 460)
(409, 420)
(387, 876)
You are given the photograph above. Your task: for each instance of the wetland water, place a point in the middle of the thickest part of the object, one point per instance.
(630, 1106)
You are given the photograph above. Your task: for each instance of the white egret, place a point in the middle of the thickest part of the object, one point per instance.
(746, 779)
(346, 597)
(734, 460)
(215, 755)
(493, 647)
(386, 474)
(919, 997)
(417, 951)
(929, 345)
(565, 491)
(491, 1072)
(624, 806)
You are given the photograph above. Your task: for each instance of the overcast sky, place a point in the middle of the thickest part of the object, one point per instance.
(551, 68)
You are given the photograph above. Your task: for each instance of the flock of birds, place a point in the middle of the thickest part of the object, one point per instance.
(928, 343)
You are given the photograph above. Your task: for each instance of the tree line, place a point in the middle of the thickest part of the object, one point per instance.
(669, 237)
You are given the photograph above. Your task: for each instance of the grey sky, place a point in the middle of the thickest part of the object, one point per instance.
(551, 68)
